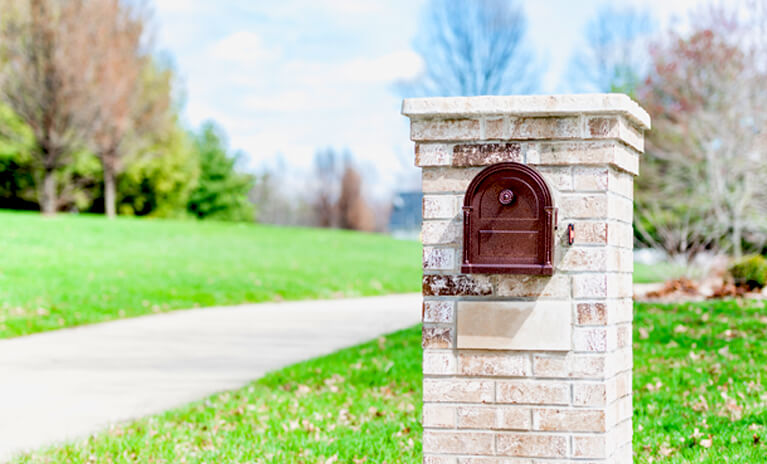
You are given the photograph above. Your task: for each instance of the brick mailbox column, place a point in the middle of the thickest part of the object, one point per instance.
(529, 368)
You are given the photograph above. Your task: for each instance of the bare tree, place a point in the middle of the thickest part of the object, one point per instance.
(473, 47)
(353, 210)
(704, 184)
(127, 105)
(328, 171)
(616, 53)
(46, 76)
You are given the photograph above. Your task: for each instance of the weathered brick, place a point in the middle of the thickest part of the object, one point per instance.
(433, 154)
(551, 365)
(490, 364)
(527, 286)
(569, 420)
(620, 234)
(533, 392)
(440, 207)
(486, 154)
(438, 311)
(620, 259)
(458, 390)
(545, 128)
(456, 285)
(489, 460)
(457, 442)
(514, 418)
(437, 337)
(620, 285)
(439, 362)
(438, 258)
(588, 366)
(444, 129)
(624, 335)
(532, 445)
(620, 208)
(591, 313)
(615, 127)
(621, 183)
(439, 416)
(443, 180)
(440, 460)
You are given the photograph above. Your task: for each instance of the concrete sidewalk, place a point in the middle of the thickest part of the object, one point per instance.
(66, 384)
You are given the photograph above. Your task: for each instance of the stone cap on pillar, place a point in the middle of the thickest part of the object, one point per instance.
(527, 105)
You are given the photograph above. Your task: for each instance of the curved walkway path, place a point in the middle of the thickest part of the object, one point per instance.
(68, 383)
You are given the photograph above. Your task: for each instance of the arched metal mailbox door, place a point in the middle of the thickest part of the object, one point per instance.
(509, 221)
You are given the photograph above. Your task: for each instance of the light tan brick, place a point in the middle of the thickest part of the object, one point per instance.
(489, 460)
(584, 206)
(621, 183)
(444, 129)
(492, 364)
(433, 154)
(624, 335)
(533, 392)
(569, 420)
(445, 180)
(592, 339)
(623, 384)
(527, 286)
(440, 207)
(620, 208)
(441, 232)
(477, 417)
(590, 446)
(584, 259)
(438, 311)
(620, 234)
(439, 258)
(589, 233)
(532, 445)
(590, 286)
(458, 390)
(439, 362)
(558, 178)
(588, 366)
(620, 259)
(514, 418)
(437, 337)
(590, 394)
(439, 416)
(551, 365)
(615, 127)
(620, 285)
(496, 128)
(457, 442)
(440, 460)
(587, 153)
(545, 128)
(590, 179)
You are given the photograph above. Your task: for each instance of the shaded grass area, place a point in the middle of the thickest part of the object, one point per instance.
(698, 384)
(661, 272)
(360, 405)
(73, 270)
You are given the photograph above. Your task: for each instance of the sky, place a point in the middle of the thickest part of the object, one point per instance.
(285, 78)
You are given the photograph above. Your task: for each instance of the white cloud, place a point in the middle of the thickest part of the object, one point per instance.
(243, 47)
(403, 64)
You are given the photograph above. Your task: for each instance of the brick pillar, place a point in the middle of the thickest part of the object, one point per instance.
(532, 368)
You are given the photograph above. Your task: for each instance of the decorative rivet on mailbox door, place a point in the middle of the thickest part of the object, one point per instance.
(515, 236)
(506, 197)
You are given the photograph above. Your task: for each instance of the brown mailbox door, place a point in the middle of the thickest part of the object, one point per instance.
(508, 219)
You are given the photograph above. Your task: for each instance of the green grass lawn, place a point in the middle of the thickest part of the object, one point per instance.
(699, 385)
(72, 270)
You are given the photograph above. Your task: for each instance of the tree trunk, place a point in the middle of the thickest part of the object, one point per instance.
(110, 194)
(48, 198)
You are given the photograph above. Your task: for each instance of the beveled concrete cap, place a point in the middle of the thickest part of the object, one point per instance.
(526, 105)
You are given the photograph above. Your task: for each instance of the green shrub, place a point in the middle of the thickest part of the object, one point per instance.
(750, 271)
